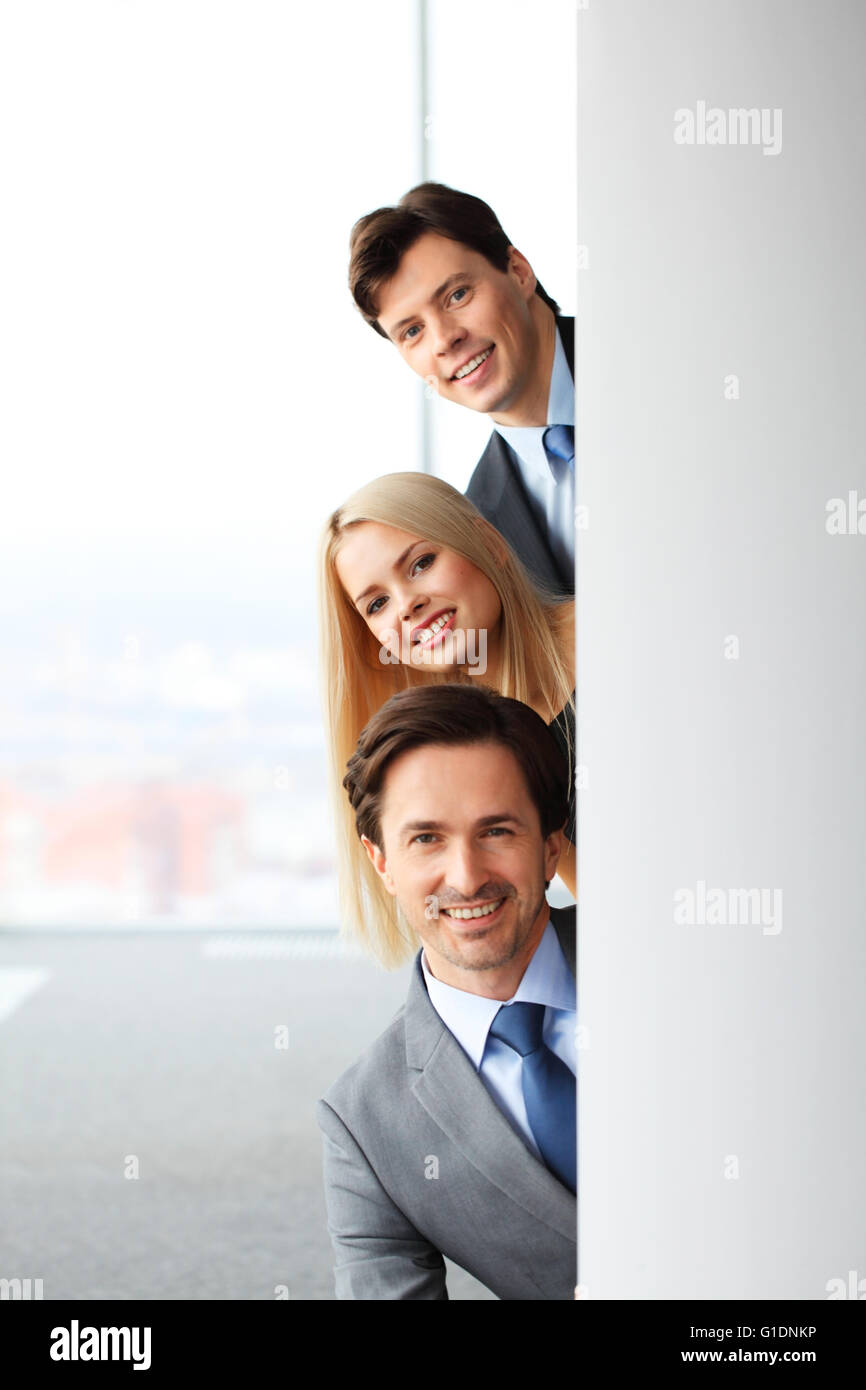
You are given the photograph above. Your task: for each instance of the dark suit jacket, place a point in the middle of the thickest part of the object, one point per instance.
(421, 1163)
(497, 489)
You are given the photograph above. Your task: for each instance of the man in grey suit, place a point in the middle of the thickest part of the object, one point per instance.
(455, 1133)
(439, 278)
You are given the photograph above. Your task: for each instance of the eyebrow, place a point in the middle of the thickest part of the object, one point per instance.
(419, 826)
(455, 279)
(371, 588)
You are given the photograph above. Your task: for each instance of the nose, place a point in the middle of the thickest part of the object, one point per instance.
(446, 334)
(411, 604)
(465, 871)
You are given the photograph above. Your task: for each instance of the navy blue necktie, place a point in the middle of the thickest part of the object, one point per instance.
(558, 441)
(549, 1088)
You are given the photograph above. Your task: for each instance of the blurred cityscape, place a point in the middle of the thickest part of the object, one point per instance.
(162, 785)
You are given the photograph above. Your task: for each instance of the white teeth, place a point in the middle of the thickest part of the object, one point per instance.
(470, 366)
(463, 913)
(426, 633)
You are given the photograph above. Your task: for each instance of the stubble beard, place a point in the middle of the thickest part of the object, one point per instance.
(484, 954)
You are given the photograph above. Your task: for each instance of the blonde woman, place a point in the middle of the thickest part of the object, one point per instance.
(416, 587)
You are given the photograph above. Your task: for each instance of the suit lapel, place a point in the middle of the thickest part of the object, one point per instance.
(450, 1090)
(566, 333)
(498, 491)
(502, 497)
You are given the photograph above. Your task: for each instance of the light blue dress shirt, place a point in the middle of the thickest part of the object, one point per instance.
(554, 500)
(547, 980)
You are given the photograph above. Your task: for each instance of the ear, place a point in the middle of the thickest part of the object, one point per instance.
(520, 270)
(377, 859)
(552, 851)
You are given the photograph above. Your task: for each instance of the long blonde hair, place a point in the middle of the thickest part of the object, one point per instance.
(536, 664)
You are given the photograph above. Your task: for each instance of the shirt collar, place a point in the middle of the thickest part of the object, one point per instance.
(546, 980)
(527, 440)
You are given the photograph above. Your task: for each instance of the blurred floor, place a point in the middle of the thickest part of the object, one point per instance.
(160, 1049)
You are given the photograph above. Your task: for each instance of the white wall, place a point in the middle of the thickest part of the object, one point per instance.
(721, 1097)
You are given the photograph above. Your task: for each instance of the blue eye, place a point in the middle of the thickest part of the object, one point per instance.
(424, 839)
(498, 830)
(463, 290)
(411, 332)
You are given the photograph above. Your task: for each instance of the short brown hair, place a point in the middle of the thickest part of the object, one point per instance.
(380, 239)
(455, 715)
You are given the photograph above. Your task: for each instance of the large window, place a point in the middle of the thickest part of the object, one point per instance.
(188, 391)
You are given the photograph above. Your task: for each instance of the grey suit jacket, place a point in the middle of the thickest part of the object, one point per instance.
(421, 1163)
(498, 491)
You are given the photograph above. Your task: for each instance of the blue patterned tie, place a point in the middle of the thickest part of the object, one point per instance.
(549, 1088)
(558, 441)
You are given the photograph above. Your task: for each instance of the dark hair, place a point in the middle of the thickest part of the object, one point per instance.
(455, 715)
(381, 238)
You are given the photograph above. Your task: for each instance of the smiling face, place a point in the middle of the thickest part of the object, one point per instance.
(462, 851)
(424, 603)
(480, 335)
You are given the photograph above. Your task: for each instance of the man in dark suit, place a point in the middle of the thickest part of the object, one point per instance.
(439, 278)
(455, 1133)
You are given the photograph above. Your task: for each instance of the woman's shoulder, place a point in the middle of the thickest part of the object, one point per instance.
(563, 730)
(564, 722)
(563, 610)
